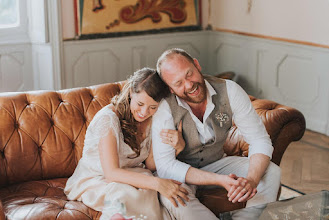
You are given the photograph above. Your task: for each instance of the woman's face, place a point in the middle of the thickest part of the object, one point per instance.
(142, 106)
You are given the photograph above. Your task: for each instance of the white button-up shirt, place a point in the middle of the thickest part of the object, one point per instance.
(246, 119)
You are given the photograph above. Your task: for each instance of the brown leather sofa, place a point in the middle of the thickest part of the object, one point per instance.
(41, 142)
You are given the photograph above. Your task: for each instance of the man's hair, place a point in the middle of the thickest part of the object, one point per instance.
(169, 54)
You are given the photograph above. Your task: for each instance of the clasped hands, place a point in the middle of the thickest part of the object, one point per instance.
(241, 189)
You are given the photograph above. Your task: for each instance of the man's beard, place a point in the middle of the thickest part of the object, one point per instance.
(197, 99)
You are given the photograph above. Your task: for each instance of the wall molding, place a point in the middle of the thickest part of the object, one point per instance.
(272, 38)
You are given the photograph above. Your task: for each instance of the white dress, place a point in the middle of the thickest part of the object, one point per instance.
(88, 184)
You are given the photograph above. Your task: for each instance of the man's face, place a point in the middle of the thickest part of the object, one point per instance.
(184, 79)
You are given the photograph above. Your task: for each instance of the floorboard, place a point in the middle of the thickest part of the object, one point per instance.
(305, 163)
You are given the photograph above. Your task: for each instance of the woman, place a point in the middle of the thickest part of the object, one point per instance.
(110, 176)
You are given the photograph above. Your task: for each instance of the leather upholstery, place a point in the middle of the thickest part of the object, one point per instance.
(284, 125)
(41, 142)
(43, 199)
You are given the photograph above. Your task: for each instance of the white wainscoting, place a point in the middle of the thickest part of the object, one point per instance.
(90, 62)
(291, 74)
(43, 67)
(15, 68)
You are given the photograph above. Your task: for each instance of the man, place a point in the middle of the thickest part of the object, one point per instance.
(207, 106)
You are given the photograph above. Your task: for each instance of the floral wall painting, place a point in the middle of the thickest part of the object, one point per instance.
(111, 16)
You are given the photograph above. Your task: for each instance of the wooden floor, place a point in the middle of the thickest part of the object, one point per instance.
(305, 164)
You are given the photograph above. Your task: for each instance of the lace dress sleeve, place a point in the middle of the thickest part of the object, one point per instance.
(104, 121)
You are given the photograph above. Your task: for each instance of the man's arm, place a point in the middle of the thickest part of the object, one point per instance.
(166, 163)
(254, 133)
(164, 154)
(258, 164)
(200, 177)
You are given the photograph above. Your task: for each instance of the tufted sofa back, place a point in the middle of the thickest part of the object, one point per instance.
(42, 132)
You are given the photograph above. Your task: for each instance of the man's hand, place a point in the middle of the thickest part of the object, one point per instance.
(244, 191)
(229, 181)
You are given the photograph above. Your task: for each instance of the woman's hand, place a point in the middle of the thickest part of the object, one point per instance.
(172, 190)
(174, 138)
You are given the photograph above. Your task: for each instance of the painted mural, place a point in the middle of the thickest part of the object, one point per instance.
(108, 16)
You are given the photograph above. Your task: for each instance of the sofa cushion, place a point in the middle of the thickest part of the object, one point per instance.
(43, 199)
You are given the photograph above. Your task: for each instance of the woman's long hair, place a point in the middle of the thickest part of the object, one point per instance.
(147, 80)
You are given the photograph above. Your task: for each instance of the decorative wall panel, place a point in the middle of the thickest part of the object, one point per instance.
(91, 62)
(94, 67)
(226, 55)
(192, 50)
(15, 68)
(292, 69)
(288, 73)
(139, 57)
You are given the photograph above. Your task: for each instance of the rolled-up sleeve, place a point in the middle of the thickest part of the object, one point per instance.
(164, 155)
(248, 122)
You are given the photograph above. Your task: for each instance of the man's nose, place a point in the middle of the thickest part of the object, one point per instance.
(188, 85)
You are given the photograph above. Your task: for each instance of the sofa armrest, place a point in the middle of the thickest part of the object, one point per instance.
(284, 124)
(2, 212)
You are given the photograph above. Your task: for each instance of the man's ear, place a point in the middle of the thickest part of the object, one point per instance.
(197, 65)
(172, 91)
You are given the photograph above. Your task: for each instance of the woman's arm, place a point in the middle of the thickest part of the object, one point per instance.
(149, 162)
(113, 173)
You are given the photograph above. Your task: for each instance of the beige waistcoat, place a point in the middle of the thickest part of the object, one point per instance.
(195, 153)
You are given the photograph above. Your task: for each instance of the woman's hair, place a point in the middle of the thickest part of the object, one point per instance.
(147, 80)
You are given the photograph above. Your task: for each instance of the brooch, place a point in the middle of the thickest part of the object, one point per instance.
(222, 118)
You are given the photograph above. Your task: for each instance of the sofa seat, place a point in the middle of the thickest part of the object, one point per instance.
(43, 199)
